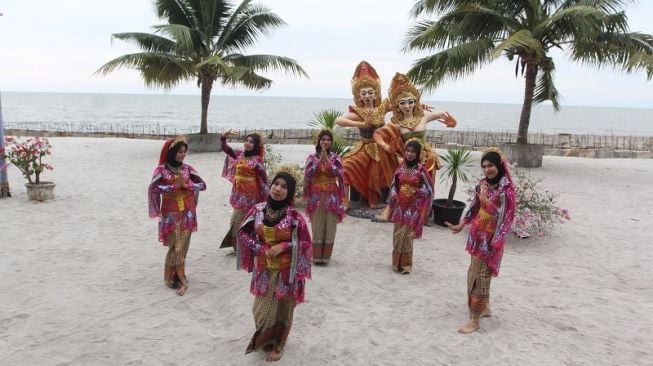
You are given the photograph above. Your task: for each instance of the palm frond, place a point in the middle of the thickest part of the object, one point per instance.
(325, 118)
(429, 7)
(176, 12)
(180, 34)
(545, 88)
(453, 63)
(629, 52)
(250, 23)
(147, 41)
(264, 63)
(157, 70)
(521, 40)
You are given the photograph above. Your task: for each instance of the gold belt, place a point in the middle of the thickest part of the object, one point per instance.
(179, 197)
(407, 190)
(484, 215)
(245, 178)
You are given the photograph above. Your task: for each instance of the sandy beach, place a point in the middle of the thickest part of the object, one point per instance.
(83, 285)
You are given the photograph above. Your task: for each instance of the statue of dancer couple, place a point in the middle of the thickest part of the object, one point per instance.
(371, 164)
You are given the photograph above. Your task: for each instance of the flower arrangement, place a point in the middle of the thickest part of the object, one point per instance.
(28, 155)
(537, 212)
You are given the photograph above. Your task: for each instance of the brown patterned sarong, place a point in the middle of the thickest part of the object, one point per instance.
(402, 252)
(323, 227)
(479, 277)
(272, 317)
(230, 238)
(178, 242)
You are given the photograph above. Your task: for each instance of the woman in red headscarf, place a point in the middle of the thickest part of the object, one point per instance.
(173, 195)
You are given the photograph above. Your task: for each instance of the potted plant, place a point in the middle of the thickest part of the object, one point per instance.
(27, 156)
(457, 161)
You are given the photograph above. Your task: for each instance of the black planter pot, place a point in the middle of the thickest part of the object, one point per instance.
(451, 214)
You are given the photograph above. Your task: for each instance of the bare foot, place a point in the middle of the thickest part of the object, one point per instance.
(274, 355)
(470, 327)
(183, 286)
(487, 312)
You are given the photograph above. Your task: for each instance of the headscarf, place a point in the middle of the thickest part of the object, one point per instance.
(494, 158)
(257, 145)
(418, 151)
(169, 151)
(291, 184)
(324, 132)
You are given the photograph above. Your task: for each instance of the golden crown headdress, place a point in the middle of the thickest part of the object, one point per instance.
(292, 170)
(320, 131)
(494, 149)
(177, 140)
(401, 87)
(415, 139)
(365, 76)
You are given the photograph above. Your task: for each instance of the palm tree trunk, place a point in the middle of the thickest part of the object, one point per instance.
(207, 85)
(529, 90)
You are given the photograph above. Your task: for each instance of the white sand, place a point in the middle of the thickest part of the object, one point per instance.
(82, 277)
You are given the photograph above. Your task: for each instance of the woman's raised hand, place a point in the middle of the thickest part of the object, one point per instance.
(230, 132)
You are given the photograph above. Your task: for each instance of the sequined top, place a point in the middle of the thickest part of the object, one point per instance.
(293, 264)
(411, 193)
(170, 202)
(324, 178)
(490, 221)
(248, 177)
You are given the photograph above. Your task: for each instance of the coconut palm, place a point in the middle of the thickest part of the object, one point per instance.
(469, 34)
(204, 40)
(326, 118)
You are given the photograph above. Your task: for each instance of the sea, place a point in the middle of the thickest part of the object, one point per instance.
(181, 114)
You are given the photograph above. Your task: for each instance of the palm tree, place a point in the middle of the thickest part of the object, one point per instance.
(204, 40)
(326, 118)
(469, 34)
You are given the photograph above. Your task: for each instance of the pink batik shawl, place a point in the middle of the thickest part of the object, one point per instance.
(490, 222)
(333, 199)
(163, 181)
(411, 211)
(292, 280)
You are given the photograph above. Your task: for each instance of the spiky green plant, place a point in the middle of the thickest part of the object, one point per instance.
(326, 118)
(457, 163)
(205, 40)
(469, 34)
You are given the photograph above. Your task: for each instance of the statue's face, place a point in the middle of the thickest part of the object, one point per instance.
(367, 96)
(407, 104)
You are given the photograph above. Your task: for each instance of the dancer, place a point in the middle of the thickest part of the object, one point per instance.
(324, 192)
(490, 216)
(275, 244)
(408, 121)
(246, 172)
(410, 193)
(173, 195)
(367, 168)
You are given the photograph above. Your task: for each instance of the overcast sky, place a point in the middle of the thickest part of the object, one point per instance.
(56, 46)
